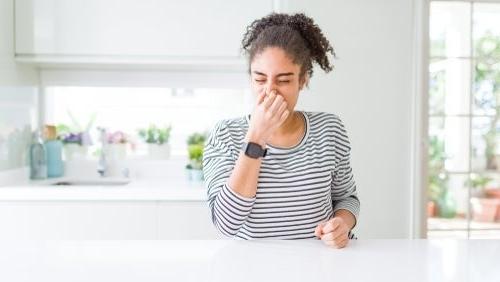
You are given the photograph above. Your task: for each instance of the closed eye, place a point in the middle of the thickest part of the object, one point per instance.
(263, 80)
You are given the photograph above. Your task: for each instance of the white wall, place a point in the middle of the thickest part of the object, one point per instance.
(371, 90)
(18, 110)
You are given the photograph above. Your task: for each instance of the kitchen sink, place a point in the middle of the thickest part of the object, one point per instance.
(92, 182)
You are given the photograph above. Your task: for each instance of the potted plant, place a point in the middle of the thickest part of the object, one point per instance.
(492, 192)
(158, 141)
(75, 138)
(477, 183)
(439, 202)
(116, 145)
(196, 161)
(196, 144)
(76, 144)
(485, 209)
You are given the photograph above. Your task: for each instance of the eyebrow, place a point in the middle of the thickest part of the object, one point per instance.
(280, 74)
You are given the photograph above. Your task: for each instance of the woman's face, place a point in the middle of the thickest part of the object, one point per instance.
(272, 69)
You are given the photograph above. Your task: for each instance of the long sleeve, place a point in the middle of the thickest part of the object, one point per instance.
(228, 209)
(344, 195)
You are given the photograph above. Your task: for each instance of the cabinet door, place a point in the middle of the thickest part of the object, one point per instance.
(185, 220)
(181, 29)
(78, 220)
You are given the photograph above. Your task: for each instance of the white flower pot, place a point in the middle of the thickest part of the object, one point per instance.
(197, 174)
(188, 174)
(75, 151)
(159, 152)
(116, 152)
(115, 159)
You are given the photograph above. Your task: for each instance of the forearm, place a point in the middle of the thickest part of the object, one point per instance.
(232, 200)
(245, 174)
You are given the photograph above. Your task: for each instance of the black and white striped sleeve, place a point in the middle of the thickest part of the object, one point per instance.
(228, 209)
(344, 195)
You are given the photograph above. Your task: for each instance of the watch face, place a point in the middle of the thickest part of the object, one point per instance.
(254, 150)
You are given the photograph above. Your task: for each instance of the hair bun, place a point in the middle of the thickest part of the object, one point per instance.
(315, 41)
(312, 34)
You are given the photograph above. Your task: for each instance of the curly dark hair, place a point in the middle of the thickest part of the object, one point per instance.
(296, 34)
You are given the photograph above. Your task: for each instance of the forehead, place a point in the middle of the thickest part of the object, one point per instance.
(272, 61)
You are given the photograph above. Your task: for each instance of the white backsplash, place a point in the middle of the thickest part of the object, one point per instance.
(18, 116)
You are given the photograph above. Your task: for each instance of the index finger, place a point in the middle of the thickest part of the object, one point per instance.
(260, 97)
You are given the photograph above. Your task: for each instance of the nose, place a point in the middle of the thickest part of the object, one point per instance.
(270, 85)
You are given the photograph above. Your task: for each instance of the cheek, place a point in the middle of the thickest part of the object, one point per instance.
(256, 90)
(256, 87)
(290, 97)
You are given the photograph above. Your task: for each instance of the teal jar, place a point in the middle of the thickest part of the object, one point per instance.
(54, 152)
(55, 165)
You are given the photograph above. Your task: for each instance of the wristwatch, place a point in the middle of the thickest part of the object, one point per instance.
(253, 150)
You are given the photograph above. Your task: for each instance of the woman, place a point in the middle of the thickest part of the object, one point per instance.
(280, 173)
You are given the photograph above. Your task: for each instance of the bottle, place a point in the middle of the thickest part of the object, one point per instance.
(38, 157)
(55, 165)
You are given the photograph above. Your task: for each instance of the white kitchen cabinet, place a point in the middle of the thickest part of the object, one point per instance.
(133, 31)
(185, 220)
(77, 220)
(105, 220)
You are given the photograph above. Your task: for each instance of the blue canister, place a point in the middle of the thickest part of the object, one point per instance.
(54, 147)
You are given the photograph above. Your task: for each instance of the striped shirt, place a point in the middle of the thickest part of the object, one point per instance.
(298, 187)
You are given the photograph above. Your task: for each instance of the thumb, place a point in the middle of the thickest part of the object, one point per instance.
(317, 230)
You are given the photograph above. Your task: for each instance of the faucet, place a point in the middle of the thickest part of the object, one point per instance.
(102, 165)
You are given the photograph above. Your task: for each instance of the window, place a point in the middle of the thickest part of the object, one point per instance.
(129, 108)
(464, 125)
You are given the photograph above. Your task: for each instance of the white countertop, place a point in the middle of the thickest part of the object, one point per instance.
(136, 190)
(235, 260)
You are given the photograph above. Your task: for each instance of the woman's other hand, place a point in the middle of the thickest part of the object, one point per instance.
(334, 232)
